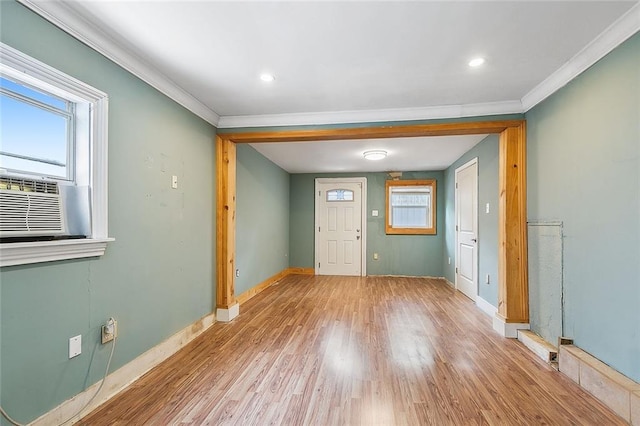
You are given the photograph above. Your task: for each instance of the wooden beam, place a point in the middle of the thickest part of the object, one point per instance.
(513, 290)
(439, 129)
(513, 298)
(225, 222)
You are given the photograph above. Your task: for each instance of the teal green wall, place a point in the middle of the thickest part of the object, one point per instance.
(418, 255)
(584, 170)
(155, 279)
(262, 218)
(488, 155)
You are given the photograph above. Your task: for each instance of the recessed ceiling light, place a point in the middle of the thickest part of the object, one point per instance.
(267, 77)
(375, 155)
(476, 62)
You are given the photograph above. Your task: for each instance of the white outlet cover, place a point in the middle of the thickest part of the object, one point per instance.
(75, 346)
(488, 208)
(174, 182)
(374, 213)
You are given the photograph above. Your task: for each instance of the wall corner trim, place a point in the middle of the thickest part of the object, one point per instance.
(125, 375)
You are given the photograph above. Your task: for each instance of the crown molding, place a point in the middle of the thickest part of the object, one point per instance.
(67, 19)
(371, 116)
(622, 29)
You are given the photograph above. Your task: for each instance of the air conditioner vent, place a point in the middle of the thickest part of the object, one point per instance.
(28, 185)
(30, 207)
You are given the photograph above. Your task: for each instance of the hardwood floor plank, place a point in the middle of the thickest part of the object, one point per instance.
(354, 351)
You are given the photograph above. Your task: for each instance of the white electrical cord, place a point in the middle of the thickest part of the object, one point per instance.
(106, 372)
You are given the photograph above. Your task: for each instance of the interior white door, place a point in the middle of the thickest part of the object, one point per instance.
(339, 230)
(467, 229)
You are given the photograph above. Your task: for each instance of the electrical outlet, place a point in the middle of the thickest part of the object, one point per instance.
(375, 256)
(109, 330)
(237, 273)
(488, 280)
(449, 261)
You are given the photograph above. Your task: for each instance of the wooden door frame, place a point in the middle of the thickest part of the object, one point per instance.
(513, 295)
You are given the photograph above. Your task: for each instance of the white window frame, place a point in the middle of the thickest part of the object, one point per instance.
(16, 64)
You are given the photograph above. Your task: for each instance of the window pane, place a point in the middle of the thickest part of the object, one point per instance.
(409, 199)
(410, 217)
(339, 195)
(45, 98)
(32, 139)
(410, 207)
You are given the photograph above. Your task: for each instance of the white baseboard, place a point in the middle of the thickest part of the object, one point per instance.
(486, 307)
(226, 315)
(124, 376)
(508, 329)
(452, 285)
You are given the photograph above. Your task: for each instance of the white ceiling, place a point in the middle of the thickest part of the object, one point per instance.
(403, 154)
(349, 61)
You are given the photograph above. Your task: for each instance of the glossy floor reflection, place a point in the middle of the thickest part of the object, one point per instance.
(356, 351)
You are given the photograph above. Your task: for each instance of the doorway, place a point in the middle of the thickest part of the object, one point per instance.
(340, 222)
(466, 213)
(513, 297)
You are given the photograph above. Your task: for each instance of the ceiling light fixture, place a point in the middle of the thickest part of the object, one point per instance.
(267, 77)
(476, 62)
(375, 155)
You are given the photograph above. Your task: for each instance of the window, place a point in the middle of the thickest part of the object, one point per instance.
(54, 130)
(340, 195)
(37, 131)
(411, 206)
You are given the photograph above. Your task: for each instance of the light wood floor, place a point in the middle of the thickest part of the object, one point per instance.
(357, 351)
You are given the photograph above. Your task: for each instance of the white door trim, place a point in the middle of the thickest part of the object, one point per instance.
(363, 255)
(455, 215)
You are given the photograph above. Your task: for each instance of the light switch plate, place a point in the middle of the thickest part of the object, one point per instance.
(75, 346)
(374, 213)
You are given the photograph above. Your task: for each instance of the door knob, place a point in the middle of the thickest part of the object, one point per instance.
(474, 240)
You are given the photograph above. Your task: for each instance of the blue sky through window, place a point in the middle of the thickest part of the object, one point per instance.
(32, 131)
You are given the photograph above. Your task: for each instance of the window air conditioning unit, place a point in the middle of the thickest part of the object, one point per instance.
(30, 207)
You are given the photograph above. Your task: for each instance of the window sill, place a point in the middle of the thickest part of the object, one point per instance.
(46, 251)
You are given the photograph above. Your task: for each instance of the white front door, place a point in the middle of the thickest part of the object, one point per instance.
(467, 229)
(339, 231)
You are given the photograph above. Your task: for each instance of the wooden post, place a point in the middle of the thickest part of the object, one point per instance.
(227, 307)
(513, 291)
